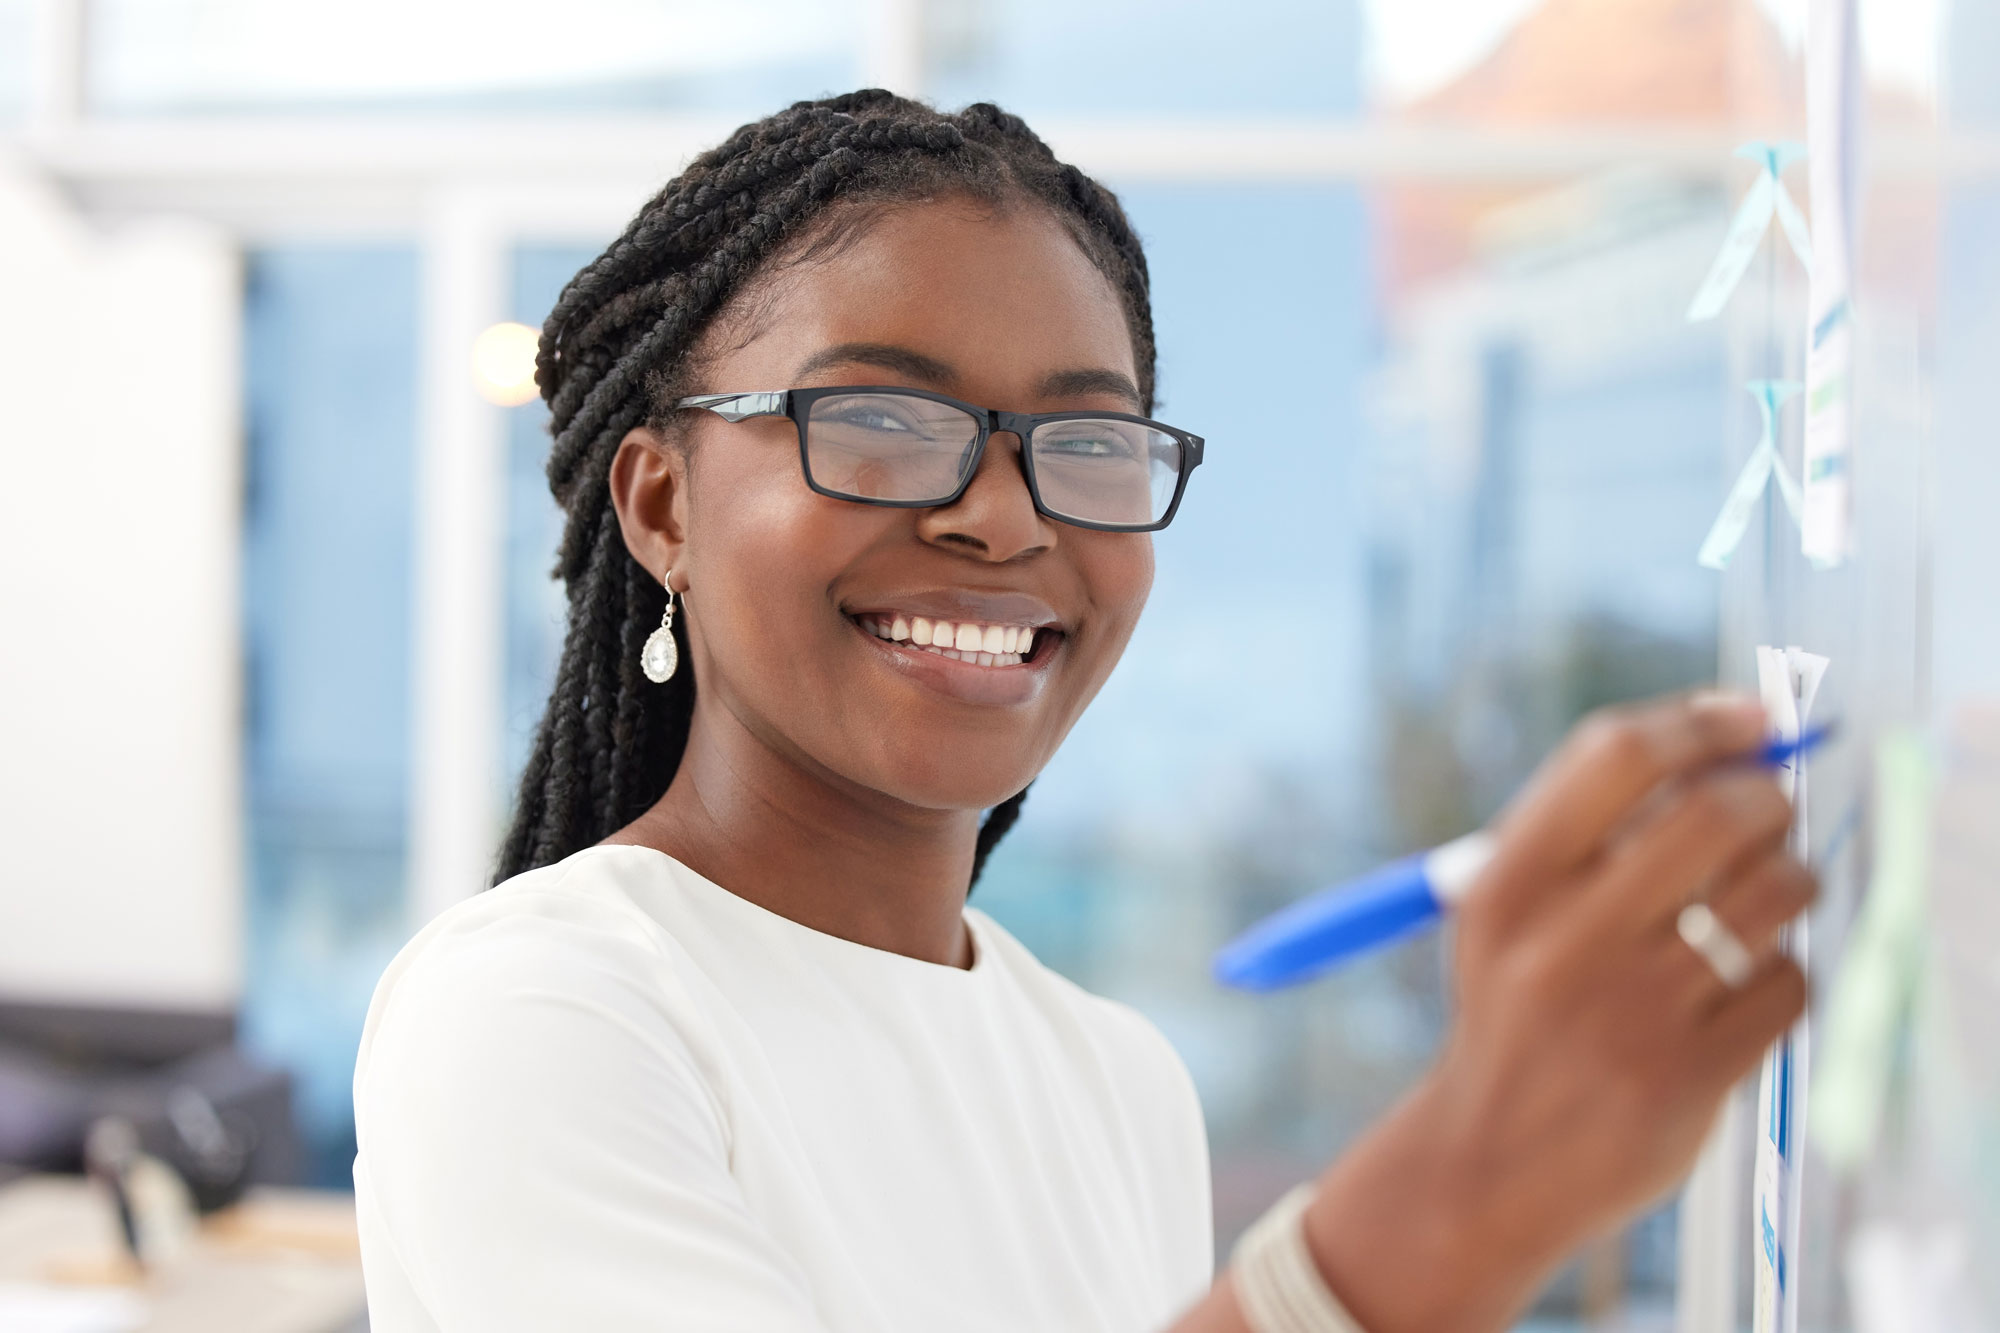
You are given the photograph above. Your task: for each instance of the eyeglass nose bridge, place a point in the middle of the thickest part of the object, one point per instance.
(996, 422)
(1017, 424)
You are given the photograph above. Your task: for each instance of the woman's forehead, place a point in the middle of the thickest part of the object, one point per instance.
(1004, 294)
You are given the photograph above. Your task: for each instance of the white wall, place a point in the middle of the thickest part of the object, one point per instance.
(120, 832)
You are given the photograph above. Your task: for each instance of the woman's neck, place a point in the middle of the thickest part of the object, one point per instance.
(796, 840)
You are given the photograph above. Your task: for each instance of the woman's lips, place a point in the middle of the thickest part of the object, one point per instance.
(1000, 678)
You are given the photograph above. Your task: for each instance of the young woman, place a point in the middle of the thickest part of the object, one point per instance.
(865, 392)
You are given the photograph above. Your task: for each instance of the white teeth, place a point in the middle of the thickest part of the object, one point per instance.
(985, 645)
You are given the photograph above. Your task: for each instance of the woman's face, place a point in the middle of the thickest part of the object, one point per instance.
(998, 308)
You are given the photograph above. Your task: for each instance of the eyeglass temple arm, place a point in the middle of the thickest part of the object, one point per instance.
(739, 406)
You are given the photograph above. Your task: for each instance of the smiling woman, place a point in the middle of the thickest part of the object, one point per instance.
(924, 291)
(862, 397)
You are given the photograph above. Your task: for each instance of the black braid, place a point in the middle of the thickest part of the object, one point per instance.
(618, 349)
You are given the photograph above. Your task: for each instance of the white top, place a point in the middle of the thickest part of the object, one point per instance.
(611, 1095)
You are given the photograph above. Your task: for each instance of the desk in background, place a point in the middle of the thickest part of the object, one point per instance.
(280, 1261)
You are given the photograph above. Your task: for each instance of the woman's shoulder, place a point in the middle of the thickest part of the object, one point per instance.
(546, 1006)
(574, 928)
(587, 902)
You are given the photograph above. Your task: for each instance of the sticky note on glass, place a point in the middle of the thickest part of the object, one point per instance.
(1764, 464)
(1765, 199)
(1870, 1001)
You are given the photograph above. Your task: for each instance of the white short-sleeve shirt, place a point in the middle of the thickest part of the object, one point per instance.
(611, 1095)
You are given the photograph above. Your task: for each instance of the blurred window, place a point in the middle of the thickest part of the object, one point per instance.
(1136, 58)
(152, 56)
(535, 607)
(330, 380)
(17, 46)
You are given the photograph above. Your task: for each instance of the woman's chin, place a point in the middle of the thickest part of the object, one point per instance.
(928, 784)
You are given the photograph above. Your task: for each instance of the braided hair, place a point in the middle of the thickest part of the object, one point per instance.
(622, 346)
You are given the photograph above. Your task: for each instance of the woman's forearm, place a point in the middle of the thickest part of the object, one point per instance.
(1406, 1235)
(1412, 1236)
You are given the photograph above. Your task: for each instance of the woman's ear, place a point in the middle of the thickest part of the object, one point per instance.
(649, 491)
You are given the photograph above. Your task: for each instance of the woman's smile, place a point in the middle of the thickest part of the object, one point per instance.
(990, 648)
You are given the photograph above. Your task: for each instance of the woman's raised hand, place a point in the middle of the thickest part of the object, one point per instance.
(1592, 1045)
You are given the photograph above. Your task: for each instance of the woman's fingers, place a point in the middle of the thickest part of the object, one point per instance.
(1746, 1022)
(1610, 764)
(1757, 902)
(1753, 904)
(1709, 829)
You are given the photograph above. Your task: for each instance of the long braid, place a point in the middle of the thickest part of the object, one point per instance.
(616, 352)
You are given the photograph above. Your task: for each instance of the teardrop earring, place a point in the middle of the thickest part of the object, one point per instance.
(662, 656)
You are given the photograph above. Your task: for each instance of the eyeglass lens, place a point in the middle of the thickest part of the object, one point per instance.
(883, 446)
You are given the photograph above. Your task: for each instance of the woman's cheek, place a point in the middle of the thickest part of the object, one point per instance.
(1123, 580)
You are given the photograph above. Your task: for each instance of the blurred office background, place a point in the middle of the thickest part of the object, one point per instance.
(277, 539)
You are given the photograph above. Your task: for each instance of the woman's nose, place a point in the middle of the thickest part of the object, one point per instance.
(996, 515)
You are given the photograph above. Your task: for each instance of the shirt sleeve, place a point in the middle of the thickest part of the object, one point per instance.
(541, 1152)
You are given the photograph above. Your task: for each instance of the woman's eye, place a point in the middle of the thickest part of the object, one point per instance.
(1091, 446)
(870, 418)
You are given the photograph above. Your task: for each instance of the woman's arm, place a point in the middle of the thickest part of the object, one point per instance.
(1593, 1046)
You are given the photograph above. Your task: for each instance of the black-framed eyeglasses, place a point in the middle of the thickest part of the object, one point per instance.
(908, 448)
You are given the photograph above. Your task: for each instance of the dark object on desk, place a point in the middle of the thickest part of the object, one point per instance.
(195, 1099)
(108, 1152)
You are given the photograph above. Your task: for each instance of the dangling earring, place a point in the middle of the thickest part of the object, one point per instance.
(662, 656)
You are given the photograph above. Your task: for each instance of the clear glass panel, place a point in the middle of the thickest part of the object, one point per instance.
(883, 446)
(1106, 471)
(152, 56)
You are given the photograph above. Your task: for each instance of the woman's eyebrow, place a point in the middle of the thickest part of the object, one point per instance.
(917, 366)
(1076, 383)
(888, 356)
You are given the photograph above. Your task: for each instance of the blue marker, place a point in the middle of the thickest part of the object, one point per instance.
(1328, 927)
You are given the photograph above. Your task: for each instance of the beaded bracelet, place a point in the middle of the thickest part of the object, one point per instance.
(1277, 1283)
